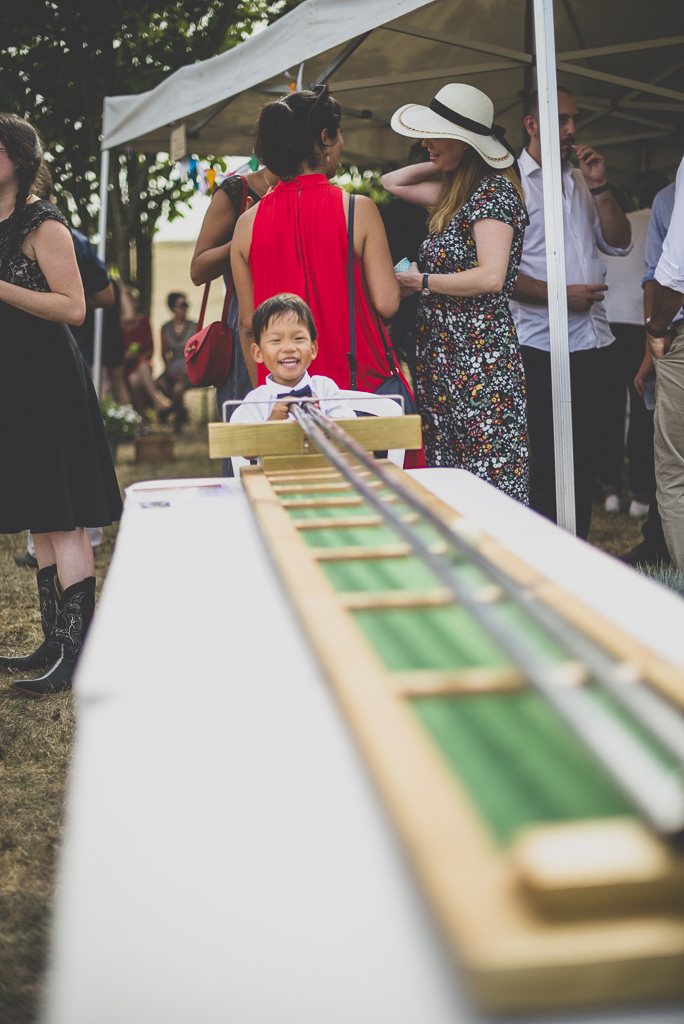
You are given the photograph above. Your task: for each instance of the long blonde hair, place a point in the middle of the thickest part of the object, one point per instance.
(460, 184)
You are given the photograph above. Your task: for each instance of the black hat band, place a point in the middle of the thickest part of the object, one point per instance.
(470, 126)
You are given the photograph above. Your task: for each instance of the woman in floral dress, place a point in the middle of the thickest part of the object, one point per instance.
(470, 383)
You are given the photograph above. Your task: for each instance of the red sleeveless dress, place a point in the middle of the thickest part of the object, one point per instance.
(299, 245)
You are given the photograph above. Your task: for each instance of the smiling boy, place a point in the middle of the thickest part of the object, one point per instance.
(285, 342)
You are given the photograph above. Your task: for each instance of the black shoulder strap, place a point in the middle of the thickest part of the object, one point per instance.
(389, 350)
(351, 355)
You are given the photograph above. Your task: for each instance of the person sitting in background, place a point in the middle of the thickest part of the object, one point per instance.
(285, 343)
(138, 347)
(406, 228)
(624, 310)
(175, 334)
(113, 347)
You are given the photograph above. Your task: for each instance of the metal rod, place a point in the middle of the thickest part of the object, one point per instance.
(555, 264)
(654, 789)
(195, 129)
(341, 57)
(102, 253)
(619, 678)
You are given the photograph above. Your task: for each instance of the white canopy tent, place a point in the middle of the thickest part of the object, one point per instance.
(378, 54)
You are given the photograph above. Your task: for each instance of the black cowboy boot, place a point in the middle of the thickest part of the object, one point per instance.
(75, 607)
(48, 652)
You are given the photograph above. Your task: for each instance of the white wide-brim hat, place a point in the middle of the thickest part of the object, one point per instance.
(457, 112)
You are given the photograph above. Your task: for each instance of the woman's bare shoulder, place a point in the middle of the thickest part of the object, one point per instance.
(365, 210)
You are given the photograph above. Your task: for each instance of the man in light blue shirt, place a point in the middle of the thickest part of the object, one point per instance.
(658, 226)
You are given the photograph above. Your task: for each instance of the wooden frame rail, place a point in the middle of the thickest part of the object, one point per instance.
(253, 440)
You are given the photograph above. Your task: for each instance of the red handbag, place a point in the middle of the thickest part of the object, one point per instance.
(208, 353)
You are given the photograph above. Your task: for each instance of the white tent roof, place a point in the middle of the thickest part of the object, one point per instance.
(378, 54)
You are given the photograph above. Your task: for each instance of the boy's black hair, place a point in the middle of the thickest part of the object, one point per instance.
(173, 298)
(282, 305)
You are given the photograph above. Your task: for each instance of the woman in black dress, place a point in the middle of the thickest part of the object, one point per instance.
(212, 259)
(55, 466)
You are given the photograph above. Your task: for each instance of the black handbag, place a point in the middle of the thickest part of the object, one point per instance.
(394, 385)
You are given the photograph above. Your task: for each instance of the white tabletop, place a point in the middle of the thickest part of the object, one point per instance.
(226, 859)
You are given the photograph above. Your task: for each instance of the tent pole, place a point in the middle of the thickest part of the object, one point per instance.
(101, 252)
(555, 263)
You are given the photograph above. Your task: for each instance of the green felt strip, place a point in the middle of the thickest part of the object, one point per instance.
(353, 536)
(380, 574)
(350, 536)
(429, 638)
(306, 495)
(328, 511)
(519, 761)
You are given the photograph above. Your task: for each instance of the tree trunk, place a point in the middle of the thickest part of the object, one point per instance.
(143, 281)
(128, 206)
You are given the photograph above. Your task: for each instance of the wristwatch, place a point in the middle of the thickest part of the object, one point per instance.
(599, 189)
(426, 290)
(650, 333)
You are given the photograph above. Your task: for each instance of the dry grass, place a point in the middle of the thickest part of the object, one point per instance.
(36, 737)
(35, 742)
(616, 534)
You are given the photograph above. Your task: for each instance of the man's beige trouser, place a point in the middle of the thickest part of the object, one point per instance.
(669, 445)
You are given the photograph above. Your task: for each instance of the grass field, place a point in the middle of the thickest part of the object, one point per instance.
(36, 737)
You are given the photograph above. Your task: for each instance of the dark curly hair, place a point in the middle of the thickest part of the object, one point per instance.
(23, 146)
(289, 131)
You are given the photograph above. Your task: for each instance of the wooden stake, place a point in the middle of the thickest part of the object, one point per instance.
(382, 599)
(361, 551)
(431, 682)
(322, 487)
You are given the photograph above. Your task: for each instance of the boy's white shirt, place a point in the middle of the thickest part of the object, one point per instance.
(258, 404)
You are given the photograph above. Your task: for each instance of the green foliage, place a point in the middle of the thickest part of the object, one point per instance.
(668, 575)
(363, 182)
(60, 59)
(121, 422)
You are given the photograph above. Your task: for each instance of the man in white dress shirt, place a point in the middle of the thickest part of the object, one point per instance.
(592, 221)
(668, 352)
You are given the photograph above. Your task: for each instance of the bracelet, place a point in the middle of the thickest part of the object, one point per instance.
(656, 337)
(599, 189)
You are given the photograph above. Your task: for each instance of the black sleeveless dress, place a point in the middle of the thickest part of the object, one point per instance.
(56, 470)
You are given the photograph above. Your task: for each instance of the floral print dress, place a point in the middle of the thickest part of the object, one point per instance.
(470, 382)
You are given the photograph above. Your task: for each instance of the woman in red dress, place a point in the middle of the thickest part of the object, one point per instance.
(296, 240)
(138, 347)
